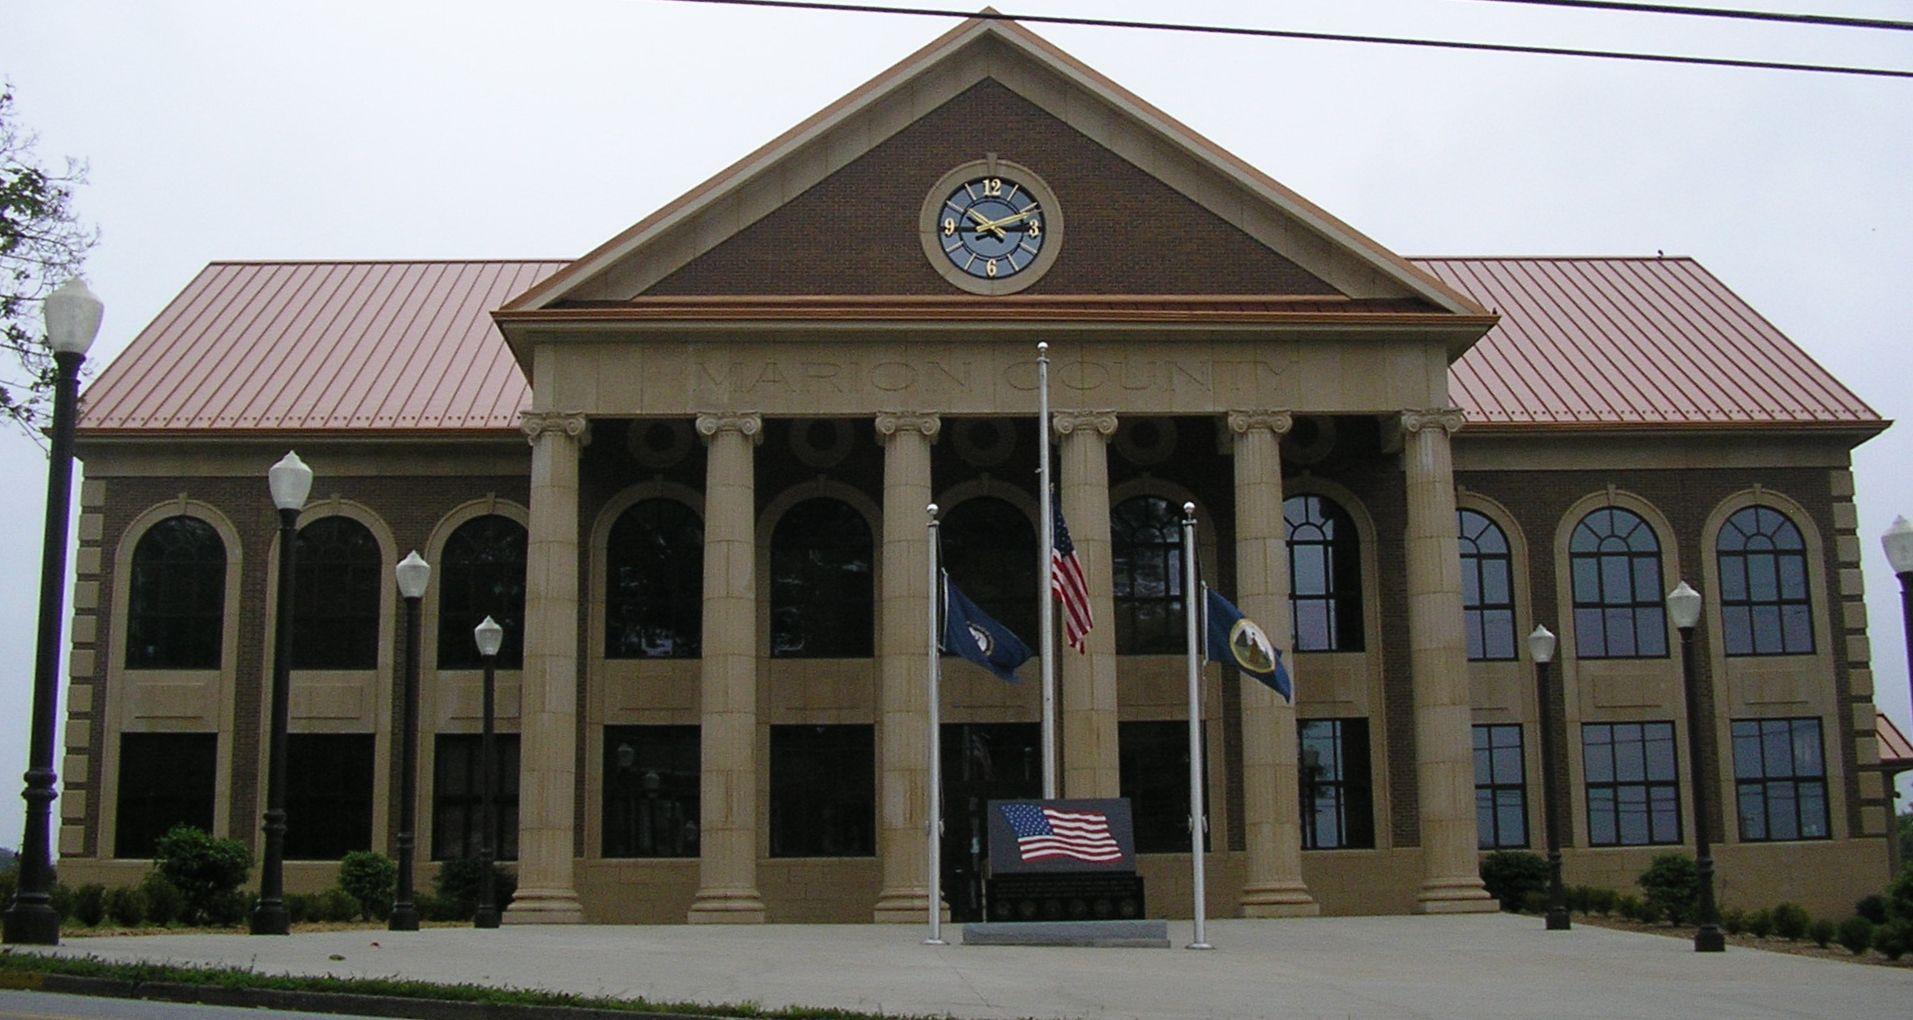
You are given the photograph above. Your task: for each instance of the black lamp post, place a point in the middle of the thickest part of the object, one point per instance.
(72, 321)
(1898, 541)
(290, 481)
(1541, 648)
(490, 636)
(1683, 606)
(413, 575)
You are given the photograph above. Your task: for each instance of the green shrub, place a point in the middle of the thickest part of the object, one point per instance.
(1671, 885)
(1577, 897)
(164, 902)
(371, 879)
(1628, 906)
(1733, 922)
(1872, 907)
(1601, 900)
(1856, 934)
(1821, 932)
(9, 880)
(1891, 939)
(335, 905)
(60, 898)
(207, 872)
(456, 885)
(1791, 920)
(230, 909)
(1535, 902)
(126, 906)
(89, 905)
(1899, 897)
(1511, 875)
(1760, 923)
(1650, 913)
(299, 908)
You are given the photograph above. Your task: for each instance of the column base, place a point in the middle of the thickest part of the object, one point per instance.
(1454, 896)
(726, 906)
(544, 906)
(903, 906)
(1279, 899)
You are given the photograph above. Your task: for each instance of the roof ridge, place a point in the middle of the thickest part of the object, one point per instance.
(385, 262)
(1551, 258)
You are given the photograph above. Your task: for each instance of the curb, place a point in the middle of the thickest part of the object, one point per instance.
(320, 1002)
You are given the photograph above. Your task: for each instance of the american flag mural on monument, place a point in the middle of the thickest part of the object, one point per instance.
(1044, 832)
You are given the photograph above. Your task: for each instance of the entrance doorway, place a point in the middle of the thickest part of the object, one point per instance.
(981, 762)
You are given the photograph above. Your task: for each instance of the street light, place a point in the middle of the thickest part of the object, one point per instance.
(413, 575)
(290, 481)
(490, 636)
(72, 321)
(1541, 649)
(1898, 541)
(1683, 607)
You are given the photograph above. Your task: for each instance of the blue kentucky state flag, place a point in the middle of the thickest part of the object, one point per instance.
(969, 632)
(1234, 638)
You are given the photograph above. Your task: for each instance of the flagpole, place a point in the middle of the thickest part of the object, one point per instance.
(933, 829)
(1198, 820)
(1046, 637)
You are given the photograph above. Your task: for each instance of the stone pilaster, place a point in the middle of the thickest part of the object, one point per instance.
(548, 712)
(1438, 663)
(727, 808)
(1091, 766)
(903, 648)
(1272, 886)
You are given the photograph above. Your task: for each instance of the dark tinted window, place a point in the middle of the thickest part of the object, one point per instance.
(1146, 555)
(166, 779)
(651, 791)
(1487, 588)
(1325, 575)
(1619, 603)
(823, 791)
(989, 549)
(1154, 762)
(1337, 802)
(821, 597)
(1764, 606)
(328, 795)
(1501, 792)
(1781, 777)
(457, 797)
(1633, 788)
(482, 573)
(176, 597)
(654, 582)
(336, 587)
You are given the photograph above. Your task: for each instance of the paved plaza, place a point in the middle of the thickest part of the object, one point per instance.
(1470, 966)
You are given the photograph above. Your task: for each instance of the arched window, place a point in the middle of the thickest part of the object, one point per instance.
(482, 573)
(1146, 558)
(1487, 588)
(654, 582)
(1764, 607)
(1619, 612)
(989, 549)
(1325, 575)
(821, 599)
(176, 598)
(335, 600)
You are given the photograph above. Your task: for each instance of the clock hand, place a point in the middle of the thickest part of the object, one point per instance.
(998, 225)
(983, 224)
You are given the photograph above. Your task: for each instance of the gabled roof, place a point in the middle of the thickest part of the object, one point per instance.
(1896, 752)
(744, 191)
(409, 348)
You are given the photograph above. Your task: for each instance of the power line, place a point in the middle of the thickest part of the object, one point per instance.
(1721, 12)
(1273, 33)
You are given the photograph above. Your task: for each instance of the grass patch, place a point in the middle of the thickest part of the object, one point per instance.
(136, 974)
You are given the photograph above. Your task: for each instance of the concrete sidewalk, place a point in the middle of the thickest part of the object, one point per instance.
(1468, 966)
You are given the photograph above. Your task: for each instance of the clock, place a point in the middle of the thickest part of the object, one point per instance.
(991, 227)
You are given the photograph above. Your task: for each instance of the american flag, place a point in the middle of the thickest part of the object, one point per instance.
(1067, 584)
(1045, 832)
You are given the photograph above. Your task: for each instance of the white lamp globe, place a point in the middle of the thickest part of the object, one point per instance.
(291, 482)
(1683, 605)
(1541, 645)
(72, 317)
(490, 637)
(1898, 541)
(414, 574)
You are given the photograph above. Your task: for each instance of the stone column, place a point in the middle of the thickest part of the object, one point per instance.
(1438, 665)
(1087, 700)
(903, 647)
(1273, 885)
(727, 809)
(548, 711)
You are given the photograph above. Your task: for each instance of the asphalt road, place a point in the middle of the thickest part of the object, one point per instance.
(49, 1006)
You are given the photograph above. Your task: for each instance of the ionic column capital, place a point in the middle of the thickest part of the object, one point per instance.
(1244, 422)
(1102, 423)
(1448, 419)
(890, 423)
(749, 424)
(571, 424)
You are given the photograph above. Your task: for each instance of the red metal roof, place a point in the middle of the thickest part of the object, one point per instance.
(1896, 752)
(410, 346)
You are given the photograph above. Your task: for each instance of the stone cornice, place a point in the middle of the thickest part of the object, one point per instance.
(1103, 423)
(1244, 422)
(572, 424)
(1448, 419)
(890, 423)
(749, 424)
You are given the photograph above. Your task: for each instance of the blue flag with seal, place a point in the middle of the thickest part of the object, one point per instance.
(970, 632)
(1235, 639)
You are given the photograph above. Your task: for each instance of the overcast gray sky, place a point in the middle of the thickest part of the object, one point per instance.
(396, 129)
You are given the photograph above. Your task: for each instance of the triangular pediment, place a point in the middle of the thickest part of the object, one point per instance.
(833, 206)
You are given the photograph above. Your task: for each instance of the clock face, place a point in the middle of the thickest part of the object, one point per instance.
(991, 227)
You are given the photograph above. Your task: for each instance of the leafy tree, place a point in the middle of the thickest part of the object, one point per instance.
(42, 243)
(206, 871)
(371, 879)
(1510, 875)
(1671, 884)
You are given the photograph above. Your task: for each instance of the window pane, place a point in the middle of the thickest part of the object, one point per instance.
(458, 797)
(1813, 811)
(1666, 814)
(481, 573)
(1746, 751)
(1660, 751)
(1590, 640)
(1651, 628)
(1796, 629)
(1312, 633)
(823, 791)
(176, 597)
(990, 545)
(1310, 565)
(328, 795)
(1737, 629)
(651, 791)
(1733, 578)
(1776, 747)
(654, 582)
(166, 779)
(1498, 628)
(1620, 632)
(1753, 812)
(1806, 748)
(821, 588)
(1512, 816)
(1783, 820)
(1793, 577)
(337, 581)
(1633, 814)
(1154, 766)
(1601, 825)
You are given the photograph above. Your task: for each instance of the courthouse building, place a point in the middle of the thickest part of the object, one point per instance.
(688, 470)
